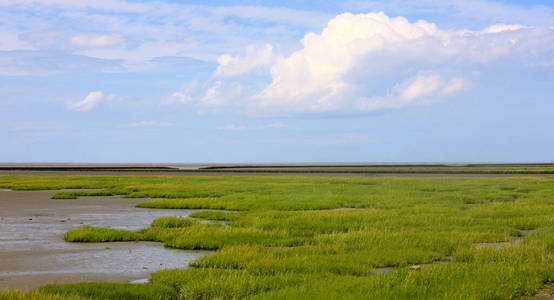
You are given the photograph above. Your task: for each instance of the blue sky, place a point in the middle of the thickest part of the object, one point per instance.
(276, 81)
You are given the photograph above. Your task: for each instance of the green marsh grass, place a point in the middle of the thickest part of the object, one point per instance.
(104, 290)
(75, 194)
(96, 235)
(323, 237)
(172, 222)
(215, 215)
(34, 295)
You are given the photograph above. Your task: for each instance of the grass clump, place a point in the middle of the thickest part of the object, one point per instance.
(214, 215)
(188, 203)
(75, 194)
(34, 295)
(222, 284)
(172, 222)
(97, 235)
(104, 290)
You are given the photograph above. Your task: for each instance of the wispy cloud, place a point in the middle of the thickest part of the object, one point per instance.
(26, 62)
(90, 102)
(182, 96)
(423, 89)
(95, 41)
(232, 127)
(125, 30)
(253, 58)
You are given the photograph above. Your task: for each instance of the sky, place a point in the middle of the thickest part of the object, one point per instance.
(276, 81)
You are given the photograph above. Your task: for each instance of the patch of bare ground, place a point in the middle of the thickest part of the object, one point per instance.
(496, 245)
(334, 209)
(547, 293)
(33, 251)
(415, 267)
(512, 242)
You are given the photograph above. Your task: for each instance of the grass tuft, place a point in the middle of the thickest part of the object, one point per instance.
(34, 295)
(104, 290)
(96, 235)
(172, 222)
(215, 215)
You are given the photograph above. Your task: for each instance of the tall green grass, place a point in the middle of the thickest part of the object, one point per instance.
(172, 222)
(98, 290)
(34, 295)
(324, 237)
(95, 235)
(215, 215)
(75, 194)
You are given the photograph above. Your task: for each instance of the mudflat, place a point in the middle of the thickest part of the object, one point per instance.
(301, 169)
(33, 251)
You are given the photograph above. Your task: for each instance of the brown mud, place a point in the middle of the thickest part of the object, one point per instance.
(33, 252)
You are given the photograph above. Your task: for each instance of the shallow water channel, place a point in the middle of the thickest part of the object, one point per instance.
(33, 251)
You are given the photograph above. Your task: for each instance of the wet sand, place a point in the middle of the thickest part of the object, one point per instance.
(33, 252)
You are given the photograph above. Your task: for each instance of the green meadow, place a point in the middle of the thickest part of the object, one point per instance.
(307, 237)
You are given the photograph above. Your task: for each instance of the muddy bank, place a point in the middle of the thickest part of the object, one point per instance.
(429, 169)
(547, 293)
(33, 252)
(247, 173)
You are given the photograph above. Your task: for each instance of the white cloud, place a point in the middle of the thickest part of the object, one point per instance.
(253, 58)
(336, 70)
(314, 75)
(139, 32)
(455, 85)
(210, 97)
(425, 88)
(421, 86)
(213, 95)
(183, 96)
(367, 62)
(223, 95)
(148, 124)
(177, 97)
(232, 127)
(503, 27)
(95, 41)
(90, 101)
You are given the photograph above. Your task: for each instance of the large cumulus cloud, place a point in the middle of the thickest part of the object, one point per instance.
(371, 61)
